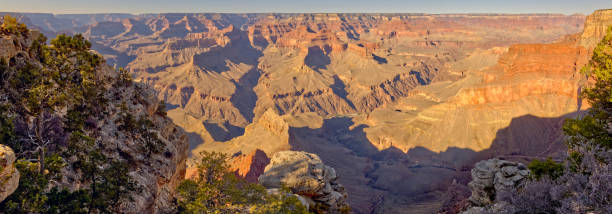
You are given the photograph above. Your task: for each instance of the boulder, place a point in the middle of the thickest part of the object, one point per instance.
(305, 175)
(492, 176)
(9, 176)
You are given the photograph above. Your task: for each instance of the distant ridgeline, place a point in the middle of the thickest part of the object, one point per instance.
(80, 137)
(400, 105)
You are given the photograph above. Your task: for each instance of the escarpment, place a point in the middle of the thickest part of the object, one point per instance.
(398, 104)
(595, 27)
(229, 58)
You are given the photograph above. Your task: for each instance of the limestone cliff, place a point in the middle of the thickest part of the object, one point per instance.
(399, 104)
(595, 28)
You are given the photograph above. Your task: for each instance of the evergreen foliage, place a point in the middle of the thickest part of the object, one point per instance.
(10, 25)
(215, 189)
(584, 184)
(34, 91)
(547, 168)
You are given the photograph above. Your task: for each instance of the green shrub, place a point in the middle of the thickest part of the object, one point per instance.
(547, 168)
(215, 189)
(10, 25)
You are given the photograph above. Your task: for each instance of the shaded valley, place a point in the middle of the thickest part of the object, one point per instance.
(401, 105)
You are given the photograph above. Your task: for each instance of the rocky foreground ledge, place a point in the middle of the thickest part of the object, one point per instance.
(489, 178)
(313, 182)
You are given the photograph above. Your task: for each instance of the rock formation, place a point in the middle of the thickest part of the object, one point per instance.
(9, 176)
(595, 28)
(306, 175)
(399, 104)
(492, 176)
(155, 174)
(269, 133)
(249, 166)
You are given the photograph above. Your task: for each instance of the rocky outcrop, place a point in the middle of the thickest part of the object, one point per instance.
(492, 176)
(153, 148)
(249, 166)
(234, 67)
(156, 174)
(306, 175)
(9, 176)
(268, 133)
(595, 28)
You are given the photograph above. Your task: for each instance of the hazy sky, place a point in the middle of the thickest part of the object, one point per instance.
(289, 6)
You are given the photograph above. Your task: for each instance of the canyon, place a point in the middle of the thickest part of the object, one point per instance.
(400, 105)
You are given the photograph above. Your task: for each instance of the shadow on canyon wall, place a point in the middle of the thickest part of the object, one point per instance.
(390, 174)
(222, 132)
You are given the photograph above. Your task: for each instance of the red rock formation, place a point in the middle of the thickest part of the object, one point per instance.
(529, 70)
(250, 166)
(595, 28)
(543, 59)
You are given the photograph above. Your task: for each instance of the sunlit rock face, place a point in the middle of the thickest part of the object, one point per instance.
(305, 175)
(398, 104)
(595, 27)
(9, 175)
(250, 166)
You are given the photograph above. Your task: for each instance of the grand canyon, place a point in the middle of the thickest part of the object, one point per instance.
(402, 106)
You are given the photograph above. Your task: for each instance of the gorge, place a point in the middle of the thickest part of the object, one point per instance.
(400, 105)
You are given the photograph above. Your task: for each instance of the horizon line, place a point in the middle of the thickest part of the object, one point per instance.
(297, 13)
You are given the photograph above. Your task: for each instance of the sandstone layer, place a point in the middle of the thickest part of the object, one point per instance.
(398, 104)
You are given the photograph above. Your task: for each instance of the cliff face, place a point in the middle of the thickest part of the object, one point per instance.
(157, 174)
(250, 166)
(232, 67)
(398, 104)
(126, 126)
(595, 28)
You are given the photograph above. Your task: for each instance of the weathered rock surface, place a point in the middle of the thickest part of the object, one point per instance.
(268, 133)
(9, 176)
(154, 174)
(305, 175)
(400, 139)
(595, 28)
(157, 175)
(249, 166)
(492, 176)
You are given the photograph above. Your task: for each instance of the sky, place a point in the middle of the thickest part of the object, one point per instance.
(305, 6)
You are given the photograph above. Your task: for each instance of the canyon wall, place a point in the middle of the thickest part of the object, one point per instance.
(398, 104)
